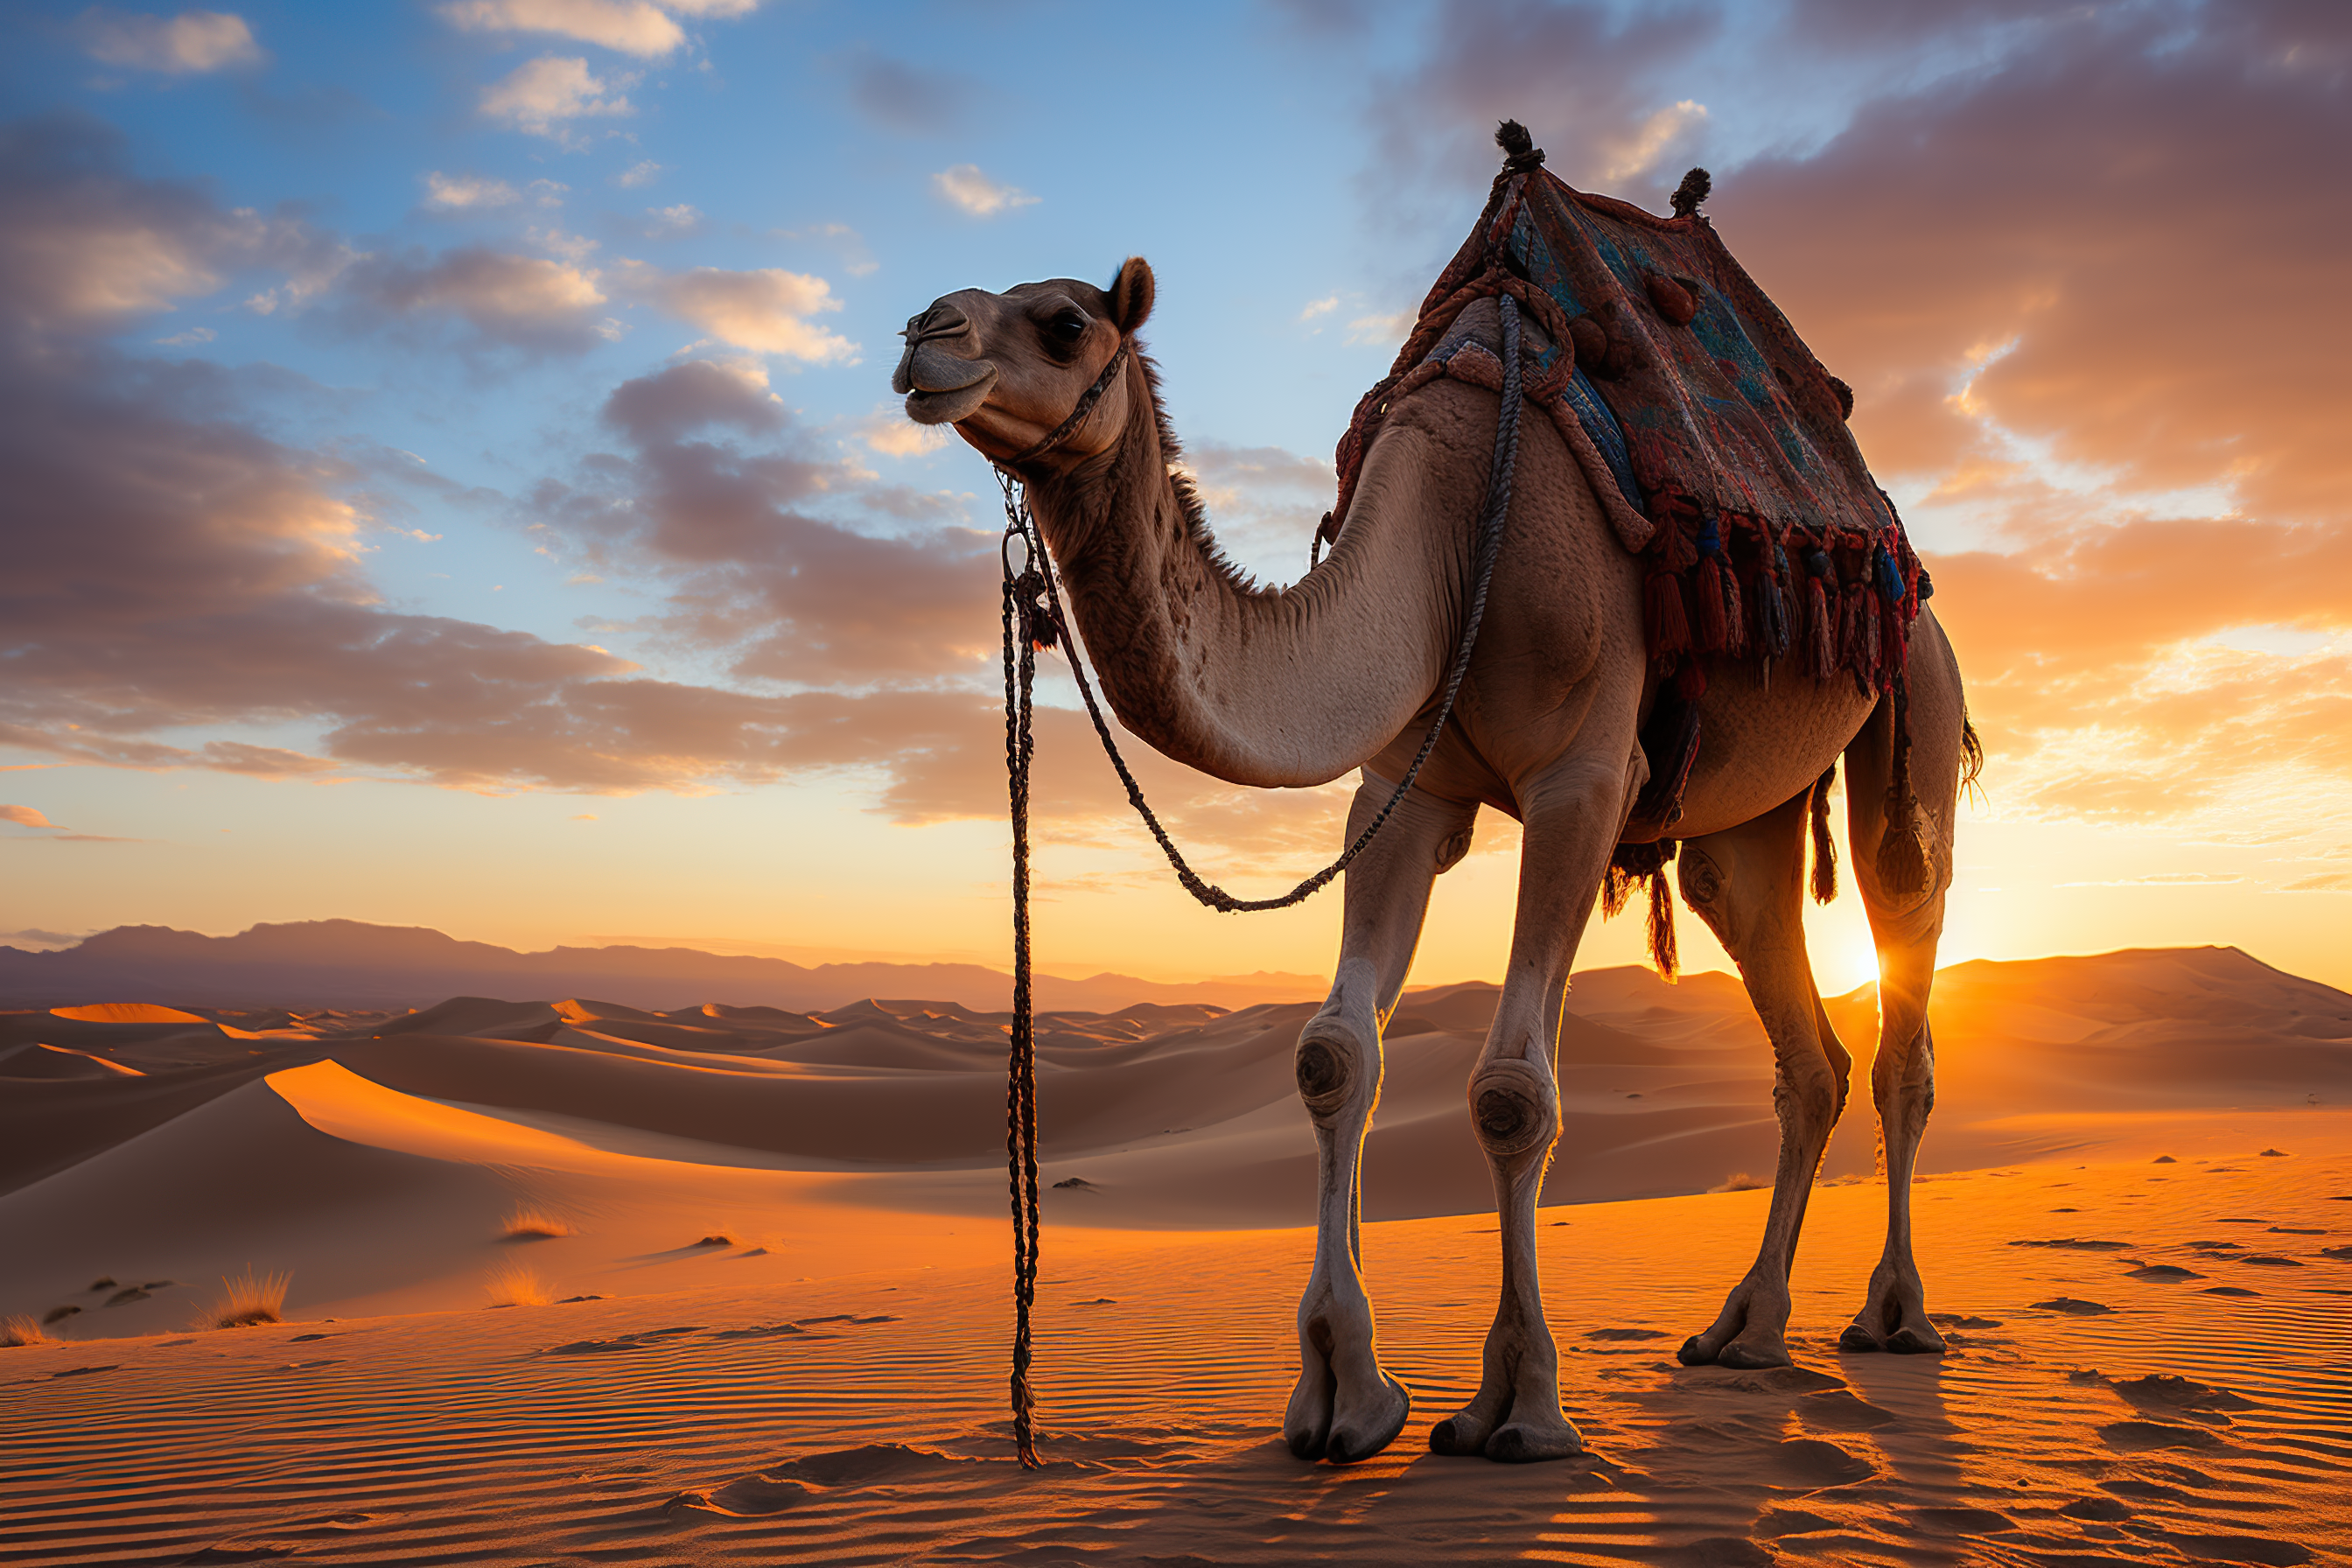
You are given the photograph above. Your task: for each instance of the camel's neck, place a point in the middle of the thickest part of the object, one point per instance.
(1258, 687)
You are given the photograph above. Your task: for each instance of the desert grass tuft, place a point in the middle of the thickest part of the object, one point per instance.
(515, 1285)
(22, 1330)
(1737, 1181)
(528, 1224)
(250, 1298)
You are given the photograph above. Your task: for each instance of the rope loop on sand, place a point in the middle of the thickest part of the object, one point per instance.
(1035, 619)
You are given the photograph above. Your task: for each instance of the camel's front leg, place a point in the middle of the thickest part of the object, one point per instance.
(1573, 819)
(1747, 884)
(1345, 1406)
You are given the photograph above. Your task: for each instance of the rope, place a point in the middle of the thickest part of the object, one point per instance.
(1034, 618)
(1021, 1076)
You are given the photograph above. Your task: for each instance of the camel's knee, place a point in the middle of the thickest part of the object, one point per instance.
(1515, 1107)
(1808, 1091)
(1334, 1068)
(1905, 1073)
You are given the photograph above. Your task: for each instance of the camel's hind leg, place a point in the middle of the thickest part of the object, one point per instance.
(1345, 1406)
(1906, 927)
(1747, 884)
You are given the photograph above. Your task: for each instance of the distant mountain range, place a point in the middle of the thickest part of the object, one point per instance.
(349, 963)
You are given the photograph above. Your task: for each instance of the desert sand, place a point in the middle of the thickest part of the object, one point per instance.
(773, 1321)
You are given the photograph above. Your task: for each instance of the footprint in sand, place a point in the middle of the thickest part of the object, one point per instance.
(1803, 1463)
(2166, 1272)
(2271, 1260)
(2073, 1307)
(1961, 1321)
(1625, 1333)
(2166, 1391)
(2226, 1291)
(1839, 1410)
(2344, 1253)
(1960, 1520)
(2104, 1509)
(2147, 1437)
(794, 1481)
(2296, 1230)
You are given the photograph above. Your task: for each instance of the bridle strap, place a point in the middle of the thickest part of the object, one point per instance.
(1085, 405)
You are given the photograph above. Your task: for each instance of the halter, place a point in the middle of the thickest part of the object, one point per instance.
(1085, 405)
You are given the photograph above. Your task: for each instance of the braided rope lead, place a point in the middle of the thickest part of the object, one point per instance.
(1034, 618)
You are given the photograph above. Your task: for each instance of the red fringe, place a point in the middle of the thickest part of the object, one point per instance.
(1735, 616)
(1662, 615)
(1819, 630)
(1690, 681)
(1707, 593)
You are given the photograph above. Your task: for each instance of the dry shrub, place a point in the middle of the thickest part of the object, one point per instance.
(1737, 1181)
(250, 1299)
(530, 1224)
(515, 1285)
(22, 1330)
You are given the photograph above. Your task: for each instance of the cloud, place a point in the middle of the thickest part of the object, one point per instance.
(87, 245)
(765, 309)
(188, 339)
(889, 431)
(965, 187)
(629, 26)
(643, 172)
(540, 94)
(909, 100)
(524, 302)
(669, 222)
(456, 192)
(1323, 307)
(188, 44)
(1379, 330)
(24, 817)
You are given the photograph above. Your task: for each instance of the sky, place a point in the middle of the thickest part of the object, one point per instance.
(452, 476)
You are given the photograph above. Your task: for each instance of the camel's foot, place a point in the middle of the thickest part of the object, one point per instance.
(1750, 1331)
(1893, 1317)
(1345, 1406)
(1512, 1427)
(1319, 1425)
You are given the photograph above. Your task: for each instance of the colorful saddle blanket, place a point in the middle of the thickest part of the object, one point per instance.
(1715, 440)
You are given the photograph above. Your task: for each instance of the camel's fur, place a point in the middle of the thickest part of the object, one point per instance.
(1298, 685)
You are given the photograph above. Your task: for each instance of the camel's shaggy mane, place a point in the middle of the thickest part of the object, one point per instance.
(1188, 495)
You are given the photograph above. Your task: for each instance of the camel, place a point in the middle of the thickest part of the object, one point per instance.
(1296, 686)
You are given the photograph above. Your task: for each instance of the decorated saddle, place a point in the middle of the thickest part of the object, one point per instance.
(1715, 440)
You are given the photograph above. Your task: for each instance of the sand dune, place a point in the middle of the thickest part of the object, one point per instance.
(778, 1237)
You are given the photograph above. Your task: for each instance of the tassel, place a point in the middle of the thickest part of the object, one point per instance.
(1824, 848)
(1871, 623)
(1707, 594)
(1902, 841)
(1735, 615)
(1662, 926)
(1669, 631)
(1690, 681)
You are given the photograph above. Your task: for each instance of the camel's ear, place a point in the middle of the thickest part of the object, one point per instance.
(1131, 294)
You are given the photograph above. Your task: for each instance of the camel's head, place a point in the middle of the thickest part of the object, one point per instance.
(1008, 370)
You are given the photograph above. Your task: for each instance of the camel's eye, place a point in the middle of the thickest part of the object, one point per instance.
(1068, 325)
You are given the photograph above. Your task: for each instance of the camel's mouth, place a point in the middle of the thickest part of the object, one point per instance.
(952, 403)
